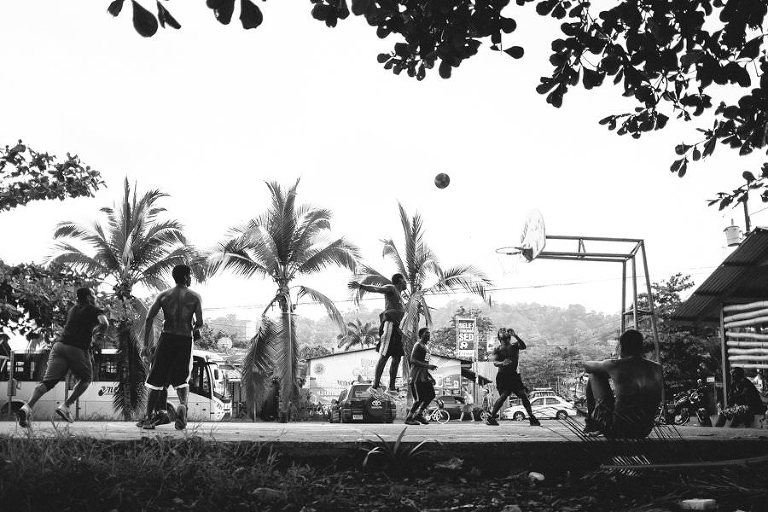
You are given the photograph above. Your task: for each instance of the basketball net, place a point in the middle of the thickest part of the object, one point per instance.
(509, 264)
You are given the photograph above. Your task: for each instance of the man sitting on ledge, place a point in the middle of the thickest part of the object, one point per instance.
(637, 382)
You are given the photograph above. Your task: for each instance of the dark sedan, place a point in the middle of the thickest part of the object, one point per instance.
(357, 404)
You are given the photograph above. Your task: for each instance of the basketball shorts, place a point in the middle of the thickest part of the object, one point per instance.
(509, 382)
(391, 340)
(65, 358)
(422, 391)
(173, 362)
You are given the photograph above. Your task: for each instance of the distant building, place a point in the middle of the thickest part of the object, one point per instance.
(328, 375)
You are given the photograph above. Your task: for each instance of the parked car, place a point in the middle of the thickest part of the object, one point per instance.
(537, 392)
(357, 404)
(543, 407)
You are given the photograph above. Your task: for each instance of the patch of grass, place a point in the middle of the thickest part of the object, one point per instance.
(171, 474)
(395, 457)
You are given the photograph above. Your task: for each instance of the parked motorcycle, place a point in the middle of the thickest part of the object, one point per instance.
(688, 403)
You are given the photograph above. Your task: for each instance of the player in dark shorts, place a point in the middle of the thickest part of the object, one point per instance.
(173, 360)
(422, 383)
(508, 380)
(637, 382)
(391, 337)
(71, 352)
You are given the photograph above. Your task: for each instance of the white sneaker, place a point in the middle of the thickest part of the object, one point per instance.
(24, 415)
(64, 413)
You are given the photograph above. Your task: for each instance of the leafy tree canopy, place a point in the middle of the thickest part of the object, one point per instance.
(685, 356)
(667, 56)
(34, 300)
(27, 175)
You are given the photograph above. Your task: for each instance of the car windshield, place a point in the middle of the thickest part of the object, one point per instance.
(361, 392)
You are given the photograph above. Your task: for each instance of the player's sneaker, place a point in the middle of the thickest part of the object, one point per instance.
(181, 417)
(411, 421)
(161, 418)
(24, 415)
(423, 420)
(491, 421)
(64, 413)
(534, 422)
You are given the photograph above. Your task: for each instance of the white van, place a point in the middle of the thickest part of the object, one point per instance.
(208, 400)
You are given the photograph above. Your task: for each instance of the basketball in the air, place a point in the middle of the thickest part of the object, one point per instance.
(442, 180)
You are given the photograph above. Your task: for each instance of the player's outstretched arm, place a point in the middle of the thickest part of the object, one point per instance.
(369, 287)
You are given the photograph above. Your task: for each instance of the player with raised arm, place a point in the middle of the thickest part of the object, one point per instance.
(508, 380)
(391, 340)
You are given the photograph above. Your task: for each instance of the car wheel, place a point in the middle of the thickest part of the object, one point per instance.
(561, 415)
(518, 416)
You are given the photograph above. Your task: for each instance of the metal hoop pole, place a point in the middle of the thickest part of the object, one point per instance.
(623, 297)
(651, 308)
(634, 293)
(652, 311)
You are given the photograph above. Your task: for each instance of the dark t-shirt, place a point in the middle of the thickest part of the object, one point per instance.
(419, 373)
(502, 353)
(81, 320)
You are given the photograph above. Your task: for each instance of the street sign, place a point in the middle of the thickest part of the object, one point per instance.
(466, 337)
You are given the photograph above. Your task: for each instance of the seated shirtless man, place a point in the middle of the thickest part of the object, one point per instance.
(173, 359)
(637, 382)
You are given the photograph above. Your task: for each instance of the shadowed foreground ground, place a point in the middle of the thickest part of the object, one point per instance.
(319, 467)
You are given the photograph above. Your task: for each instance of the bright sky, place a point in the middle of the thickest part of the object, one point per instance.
(208, 113)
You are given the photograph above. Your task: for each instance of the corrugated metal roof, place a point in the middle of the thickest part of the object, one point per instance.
(741, 277)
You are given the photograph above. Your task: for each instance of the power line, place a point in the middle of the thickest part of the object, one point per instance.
(455, 292)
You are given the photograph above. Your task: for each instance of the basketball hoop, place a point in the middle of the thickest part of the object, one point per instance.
(533, 239)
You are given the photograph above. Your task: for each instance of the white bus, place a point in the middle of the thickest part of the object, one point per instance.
(208, 400)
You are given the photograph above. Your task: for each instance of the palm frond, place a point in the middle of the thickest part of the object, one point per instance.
(313, 221)
(370, 276)
(390, 251)
(258, 364)
(70, 256)
(338, 253)
(410, 243)
(467, 277)
(330, 307)
(238, 262)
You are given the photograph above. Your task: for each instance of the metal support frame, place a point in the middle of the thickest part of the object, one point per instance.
(582, 254)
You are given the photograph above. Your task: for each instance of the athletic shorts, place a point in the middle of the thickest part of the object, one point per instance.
(65, 358)
(422, 391)
(391, 340)
(508, 383)
(611, 424)
(173, 362)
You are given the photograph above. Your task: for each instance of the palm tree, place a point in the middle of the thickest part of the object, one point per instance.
(357, 333)
(424, 276)
(132, 247)
(285, 242)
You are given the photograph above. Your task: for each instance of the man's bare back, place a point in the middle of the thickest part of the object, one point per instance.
(180, 305)
(637, 381)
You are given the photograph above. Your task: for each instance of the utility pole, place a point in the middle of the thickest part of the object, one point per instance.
(746, 211)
